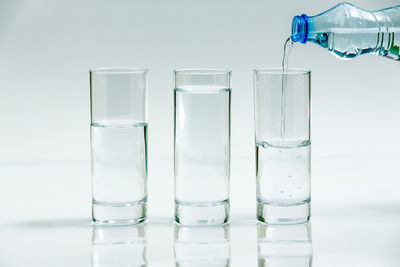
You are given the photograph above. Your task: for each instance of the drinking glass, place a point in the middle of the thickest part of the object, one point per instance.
(282, 139)
(118, 135)
(284, 245)
(202, 145)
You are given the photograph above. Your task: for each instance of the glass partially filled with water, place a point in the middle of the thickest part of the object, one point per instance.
(202, 146)
(118, 135)
(282, 139)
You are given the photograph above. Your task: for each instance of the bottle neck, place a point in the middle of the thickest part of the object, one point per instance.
(300, 28)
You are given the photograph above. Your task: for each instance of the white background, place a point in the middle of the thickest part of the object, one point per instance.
(46, 49)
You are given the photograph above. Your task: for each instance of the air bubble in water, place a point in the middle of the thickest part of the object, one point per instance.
(281, 192)
(264, 145)
(290, 176)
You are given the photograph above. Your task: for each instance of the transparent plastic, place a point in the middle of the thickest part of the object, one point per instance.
(283, 145)
(349, 31)
(118, 145)
(202, 146)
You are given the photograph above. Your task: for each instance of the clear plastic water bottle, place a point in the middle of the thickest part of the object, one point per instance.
(349, 31)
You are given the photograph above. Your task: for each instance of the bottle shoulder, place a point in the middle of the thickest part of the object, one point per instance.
(344, 16)
(391, 17)
(394, 8)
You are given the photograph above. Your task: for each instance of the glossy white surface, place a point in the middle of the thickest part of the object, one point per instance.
(46, 215)
(46, 50)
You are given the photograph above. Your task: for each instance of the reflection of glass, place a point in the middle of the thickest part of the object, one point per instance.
(202, 246)
(119, 246)
(284, 245)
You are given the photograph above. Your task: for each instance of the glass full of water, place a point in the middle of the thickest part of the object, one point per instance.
(282, 137)
(118, 132)
(202, 146)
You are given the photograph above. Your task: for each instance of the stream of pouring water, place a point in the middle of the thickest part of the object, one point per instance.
(285, 61)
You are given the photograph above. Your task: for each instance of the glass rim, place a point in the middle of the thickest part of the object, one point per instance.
(279, 71)
(202, 71)
(118, 70)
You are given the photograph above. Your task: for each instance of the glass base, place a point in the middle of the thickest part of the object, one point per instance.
(119, 213)
(213, 213)
(283, 214)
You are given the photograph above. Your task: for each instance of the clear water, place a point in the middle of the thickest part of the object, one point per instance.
(287, 48)
(202, 145)
(350, 43)
(283, 174)
(349, 31)
(119, 162)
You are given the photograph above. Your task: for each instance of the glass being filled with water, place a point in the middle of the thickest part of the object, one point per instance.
(118, 135)
(282, 139)
(202, 146)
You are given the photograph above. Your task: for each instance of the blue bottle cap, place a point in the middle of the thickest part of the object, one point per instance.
(300, 28)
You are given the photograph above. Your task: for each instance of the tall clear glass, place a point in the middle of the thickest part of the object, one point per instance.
(284, 245)
(282, 138)
(202, 246)
(118, 132)
(119, 246)
(202, 146)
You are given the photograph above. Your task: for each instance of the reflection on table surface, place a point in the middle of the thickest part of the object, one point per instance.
(278, 245)
(202, 246)
(243, 242)
(119, 245)
(284, 245)
(193, 246)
